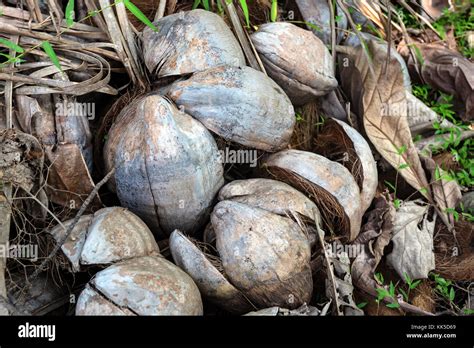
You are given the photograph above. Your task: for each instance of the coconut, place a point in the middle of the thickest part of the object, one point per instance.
(279, 205)
(265, 255)
(210, 281)
(271, 195)
(168, 168)
(110, 235)
(190, 41)
(296, 59)
(318, 13)
(328, 183)
(340, 142)
(148, 285)
(239, 104)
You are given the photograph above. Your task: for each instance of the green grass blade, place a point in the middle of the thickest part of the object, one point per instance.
(206, 5)
(11, 45)
(51, 54)
(139, 14)
(274, 12)
(70, 13)
(196, 4)
(245, 8)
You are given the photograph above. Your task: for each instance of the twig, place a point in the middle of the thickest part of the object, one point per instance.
(240, 33)
(161, 10)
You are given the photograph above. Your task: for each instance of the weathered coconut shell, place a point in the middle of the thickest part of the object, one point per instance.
(317, 12)
(340, 142)
(116, 234)
(271, 195)
(90, 302)
(239, 104)
(168, 165)
(210, 281)
(295, 59)
(266, 256)
(328, 183)
(110, 235)
(72, 247)
(191, 41)
(147, 285)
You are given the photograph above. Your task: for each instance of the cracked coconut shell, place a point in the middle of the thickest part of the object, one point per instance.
(168, 168)
(148, 285)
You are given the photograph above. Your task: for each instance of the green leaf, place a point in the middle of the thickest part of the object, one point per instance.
(381, 293)
(69, 13)
(51, 54)
(206, 5)
(11, 45)
(139, 14)
(397, 203)
(393, 305)
(392, 289)
(415, 284)
(405, 295)
(196, 4)
(245, 8)
(274, 12)
(390, 185)
(362, 305)
(451, 294)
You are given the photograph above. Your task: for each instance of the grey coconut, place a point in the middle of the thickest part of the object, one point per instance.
(296, 59)
(148, 285)
(190, 41)
(239, 104)
(168, 165)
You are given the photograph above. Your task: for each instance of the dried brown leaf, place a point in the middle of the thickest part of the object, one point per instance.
(412, 252)
(382, 105)
(449, 72)
(446, 193)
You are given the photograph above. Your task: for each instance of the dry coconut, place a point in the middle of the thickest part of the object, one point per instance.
(295, 59)
(168, 168)
(148, 285)
(190, 41)
(328, 183)
(239, 104)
